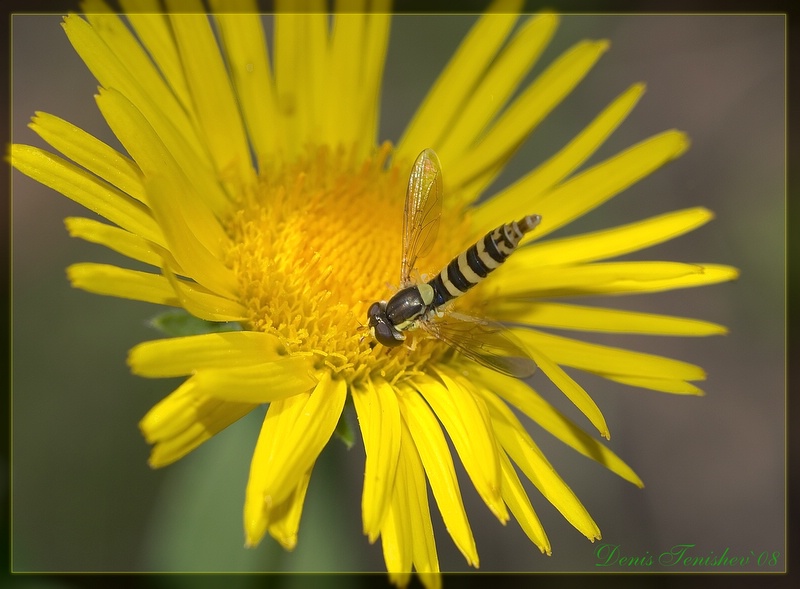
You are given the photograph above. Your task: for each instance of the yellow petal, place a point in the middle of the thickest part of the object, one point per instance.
(215, 106)
(293, 434)
(527, 400)
(153, 30)
(396, 540)
(87, 190)
(138, 69)
(297, 72)
(285, 518)
(154, 154)
(202, 303)
(522, 450)
(589, 189)
(594, 279)
(169, 121)
(571, 389)
(183, 420)
(435, 455)
(457, 81)
(119, 240)
(664, 385)
(483, 162)
(516, 200)
(108, 280)
(379, 419)
(118, 61)
(248, 59)
(609, 243)
(340, 72)
(90, 153)
(257, 383)
(179, 356)
(511, 65)
(411, 487)
(300, 436)
(195, 238)
(467, 423)
(610, 360)
(707, 274)
(567, 316)
(372, 59)
(520, 505)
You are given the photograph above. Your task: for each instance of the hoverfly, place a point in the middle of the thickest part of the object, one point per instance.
(421, 305)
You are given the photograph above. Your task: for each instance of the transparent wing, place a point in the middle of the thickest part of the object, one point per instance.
(422, 212)
(486, 342)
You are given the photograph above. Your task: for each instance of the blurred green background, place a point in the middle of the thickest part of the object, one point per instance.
(83, 498)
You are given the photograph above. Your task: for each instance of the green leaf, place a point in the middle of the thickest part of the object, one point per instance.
(179, 323)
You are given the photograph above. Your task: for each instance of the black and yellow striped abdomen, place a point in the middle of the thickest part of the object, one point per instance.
(470, 267)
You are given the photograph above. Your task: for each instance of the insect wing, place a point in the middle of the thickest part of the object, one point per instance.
(422, 211)
(488, 343)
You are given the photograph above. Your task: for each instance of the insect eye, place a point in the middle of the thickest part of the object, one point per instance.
(381, 328)
(385, 334)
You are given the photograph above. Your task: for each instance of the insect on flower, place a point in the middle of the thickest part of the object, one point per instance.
(423, 304)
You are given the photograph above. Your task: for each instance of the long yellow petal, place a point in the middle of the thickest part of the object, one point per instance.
(184, 419)
(515, 201)
(283, 424)
(121, 241)
(105, 279)
(457, 81)
(568, 316)
(495, 89)
(171, 123)
(520, 505)
(179, 356)
(257, 383)
(600, 278)
(609, 360)
(522, 450)
(156, 157)
(582, 193)
(248, 59)
(527, 400)
(372, 60)
(118, 61)
(435, 454)
(154, 31)
(467, 422)
(296, 73)
(90, 153)
(609, 243)
(202, 303)
(285, 517)
(396, 539)
(302, 437)
(87, 190)
(195, 237)
(483, 162)
(379, 419)
(216, 108)
(571, 389)
(663, 385)
(341, 76)
(411, 487)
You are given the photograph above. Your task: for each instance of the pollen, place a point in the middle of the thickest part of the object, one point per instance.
(313, 247)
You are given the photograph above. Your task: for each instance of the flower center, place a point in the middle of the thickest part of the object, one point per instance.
(318, 242)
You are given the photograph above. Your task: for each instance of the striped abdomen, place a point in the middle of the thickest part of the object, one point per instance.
(475, 264)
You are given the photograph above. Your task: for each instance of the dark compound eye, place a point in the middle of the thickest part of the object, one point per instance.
(381, 328)
(386, 334)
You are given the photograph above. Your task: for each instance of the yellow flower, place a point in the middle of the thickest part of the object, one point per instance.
(258, 193)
